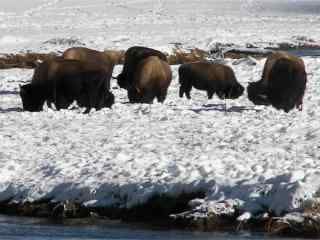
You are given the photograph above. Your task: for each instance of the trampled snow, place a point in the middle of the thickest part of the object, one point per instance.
(261, 157)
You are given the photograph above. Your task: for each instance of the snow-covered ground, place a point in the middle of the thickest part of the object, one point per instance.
(267, 158)
(42, 25)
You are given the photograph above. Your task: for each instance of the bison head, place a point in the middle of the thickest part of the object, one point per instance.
(257, 93)
(235, 91)
(122, 81)
(231, 92)
(32, 97)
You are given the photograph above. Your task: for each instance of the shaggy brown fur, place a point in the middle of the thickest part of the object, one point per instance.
(87, 54)
(62, 81)
(152, 78)
(181, 56)
(107, 59)
(117, 56)
(133, 57)
(210, 77)
(24, 60)
(283, 82)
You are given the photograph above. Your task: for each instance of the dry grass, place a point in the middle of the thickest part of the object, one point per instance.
(179, 56)
(312, 207)
(309, 225)
(27, 60)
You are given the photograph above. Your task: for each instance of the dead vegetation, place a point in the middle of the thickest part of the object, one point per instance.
(181, 56)
(178, 56)
(23, 60)
(295, 224)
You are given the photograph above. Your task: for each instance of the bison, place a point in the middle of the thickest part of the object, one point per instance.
(62, 81)
(151, 79)
(283, 82)
(133, 56)
(106, 59)
(210, 77)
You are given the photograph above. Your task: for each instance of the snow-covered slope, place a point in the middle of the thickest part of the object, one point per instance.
(30, 24)
(124, 155)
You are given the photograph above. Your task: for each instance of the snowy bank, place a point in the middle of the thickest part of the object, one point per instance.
(261, 160)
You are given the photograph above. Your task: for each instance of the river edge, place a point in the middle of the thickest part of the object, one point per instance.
(165, 211)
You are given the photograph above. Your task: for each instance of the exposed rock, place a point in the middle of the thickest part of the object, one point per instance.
(302, 224)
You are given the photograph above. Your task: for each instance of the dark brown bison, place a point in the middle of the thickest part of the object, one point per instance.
(62, 81)
(210, 77)
(283, 82)
(133, 56)
(151, 79)
(87, 54)
(106, 59)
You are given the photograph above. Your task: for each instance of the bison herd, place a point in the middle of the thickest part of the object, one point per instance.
(83, 75)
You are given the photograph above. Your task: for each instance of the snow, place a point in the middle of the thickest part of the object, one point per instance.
(158, 23)
(254, 156)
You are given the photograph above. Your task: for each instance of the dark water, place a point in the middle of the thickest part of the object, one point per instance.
(13, 228)
(305, 52)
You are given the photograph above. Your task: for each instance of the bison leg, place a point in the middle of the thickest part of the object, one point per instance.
(133, 95)
(92, 101)
(188, 94)
(109, 99)
(221, 94)
(210, 94)
(148, 96)
(62, 102)
(162, 96)
(49, 103)
(181, 91)
(185, 88)
(104, 99)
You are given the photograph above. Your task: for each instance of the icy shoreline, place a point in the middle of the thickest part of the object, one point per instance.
(168, 211)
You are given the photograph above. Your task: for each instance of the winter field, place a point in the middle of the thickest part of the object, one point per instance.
(264, 159)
